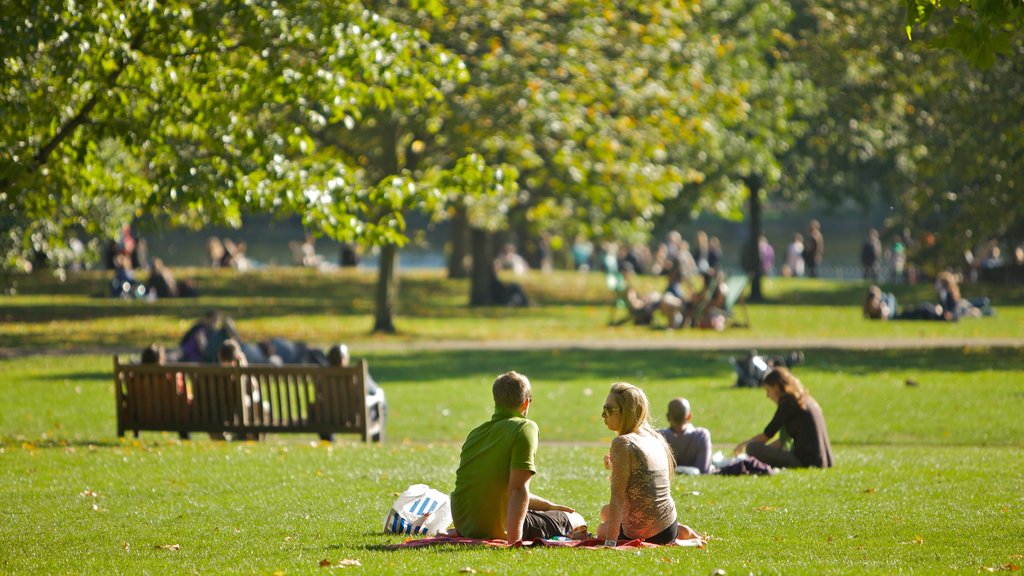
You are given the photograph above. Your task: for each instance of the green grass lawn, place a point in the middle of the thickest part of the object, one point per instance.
(928, 477)
(332, 307)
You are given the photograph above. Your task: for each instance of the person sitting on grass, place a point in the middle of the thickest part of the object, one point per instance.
(641, 464)
(691, 446)
(803, 438)
(492, 498)
(641, 309)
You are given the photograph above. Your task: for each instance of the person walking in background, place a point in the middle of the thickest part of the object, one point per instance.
(871, 255)
(766, 255)
(814, 248)
(641, 464)
(691, 446)
(794, 257)
(798, 421)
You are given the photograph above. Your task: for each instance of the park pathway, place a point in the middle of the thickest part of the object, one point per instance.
(604, 344)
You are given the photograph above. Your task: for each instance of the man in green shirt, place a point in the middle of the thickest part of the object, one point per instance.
(492, 497)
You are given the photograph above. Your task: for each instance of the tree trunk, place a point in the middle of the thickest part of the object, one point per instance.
(754, 256)
(387, 290)
(481, 285)
(458, 245)
(387, 273)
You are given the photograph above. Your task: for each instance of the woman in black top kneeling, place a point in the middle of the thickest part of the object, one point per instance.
(803, 437)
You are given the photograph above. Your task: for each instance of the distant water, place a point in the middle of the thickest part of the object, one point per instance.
(267, 241)
(267, 244)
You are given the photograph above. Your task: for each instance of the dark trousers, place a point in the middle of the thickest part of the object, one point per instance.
(546, 525)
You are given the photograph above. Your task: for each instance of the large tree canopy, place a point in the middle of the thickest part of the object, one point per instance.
(196, 110)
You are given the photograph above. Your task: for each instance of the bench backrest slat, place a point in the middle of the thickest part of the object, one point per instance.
(202, 397)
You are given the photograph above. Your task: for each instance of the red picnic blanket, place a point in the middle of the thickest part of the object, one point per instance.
(687, 538)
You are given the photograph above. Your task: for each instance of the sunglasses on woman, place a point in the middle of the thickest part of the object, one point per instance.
(606, 410)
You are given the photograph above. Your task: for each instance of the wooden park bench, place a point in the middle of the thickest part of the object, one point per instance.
(244, 401)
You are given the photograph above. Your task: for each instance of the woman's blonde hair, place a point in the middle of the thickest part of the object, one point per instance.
(948, 281)
(787, 384)
(635, 412)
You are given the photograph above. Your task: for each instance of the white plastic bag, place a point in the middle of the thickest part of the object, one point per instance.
(419, 510)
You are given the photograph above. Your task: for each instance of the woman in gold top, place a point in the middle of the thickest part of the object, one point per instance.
(641, 464)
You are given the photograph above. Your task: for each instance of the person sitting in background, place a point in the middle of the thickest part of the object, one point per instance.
(690, 445)
(377, 404)
(949, 296)
(217, 337)
(641, 308)
(156, 355)
(125, 285)
(948, 308)
(195, 341)
(252, 407)
(510, 294)
(673, 300)
(509, 259)
(214, 251)
(709, 311)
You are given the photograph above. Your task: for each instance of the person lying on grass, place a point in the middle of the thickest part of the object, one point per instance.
(803, 438)
(492, 497)
(641, 464)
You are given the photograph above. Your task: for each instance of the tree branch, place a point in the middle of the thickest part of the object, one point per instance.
(82, 116)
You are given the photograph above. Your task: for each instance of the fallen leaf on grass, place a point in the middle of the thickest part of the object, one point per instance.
(343, 563)
(918, 539)
(88, 493)
(467, 570)
(870, 490)
(765, 508)
(127, 547)
(173, 547)
(1004, 567)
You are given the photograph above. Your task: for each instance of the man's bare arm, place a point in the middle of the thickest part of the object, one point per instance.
(542, 505)
(518, 501)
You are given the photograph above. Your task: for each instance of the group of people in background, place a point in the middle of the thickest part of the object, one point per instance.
(492, 497)
(950, 306)
(126, 256)
(226, 253)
